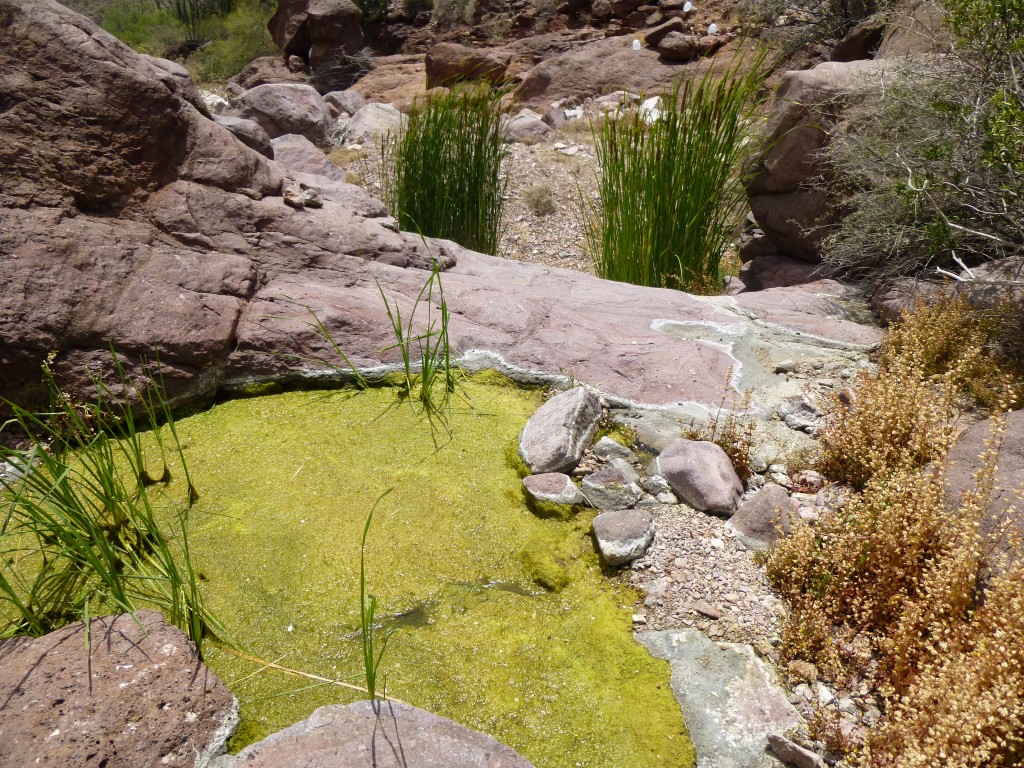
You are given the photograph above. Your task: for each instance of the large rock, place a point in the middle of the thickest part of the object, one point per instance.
(764, 518)
(374, 121)
(267, 70)
(346, 102)
(139, 696)
(701, 475)
(449, 63)
(963, 461)
(298, 153)
(790, 192)
(287, 108)
(555, 437)
(729, 697)
(623, 535)
(376, 735)
(317, 29)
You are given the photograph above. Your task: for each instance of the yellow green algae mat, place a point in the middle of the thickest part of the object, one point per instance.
(454, 557)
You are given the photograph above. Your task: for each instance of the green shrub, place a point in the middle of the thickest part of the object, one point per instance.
(146, 31)
(442, 174)
(670, 196)
(244, 37)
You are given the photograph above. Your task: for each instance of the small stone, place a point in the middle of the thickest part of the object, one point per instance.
(704, 608)
(793, 754)
(825, 696)
(611, 489)
(606, 448)
(311, 198)
(639, 618)
(716, 543)
(701, 474)
(623, 535)
(553, 488)
(555, 437)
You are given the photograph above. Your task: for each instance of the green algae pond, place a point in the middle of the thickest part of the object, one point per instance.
(501, 620)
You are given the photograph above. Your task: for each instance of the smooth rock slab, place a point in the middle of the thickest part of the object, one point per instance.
(623, 535)
(764, 518)
(394, 736)
(701, 475)
(611, 489)
(148, 702)
(555, 437)
(729, 698)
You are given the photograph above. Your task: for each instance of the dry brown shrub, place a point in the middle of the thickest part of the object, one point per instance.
(935, 363)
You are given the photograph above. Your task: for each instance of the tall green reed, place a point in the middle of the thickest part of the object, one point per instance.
(442, 173)
(374, 645)
(670, 196)
(80, 527)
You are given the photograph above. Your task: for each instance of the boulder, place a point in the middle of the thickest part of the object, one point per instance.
(655, 35)
(623, 535)
(730, 698)
(399, 79)
(917, 29)
(679, 46)
(346, 102)
(555, 437)
(764, 518)
(776, 271)
(701, 475)
(379, 734)
(138, 696)
(374, 121)
(248, 132)
(527, 130)
(611, 489)
(297, 153)
(963, 461)
(449, 63)
(265, 70)
(787, 182)
(287, 108)
(316, 29)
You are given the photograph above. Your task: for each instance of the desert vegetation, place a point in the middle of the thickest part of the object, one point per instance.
(442, 173)
(901, 586)
(669, 197)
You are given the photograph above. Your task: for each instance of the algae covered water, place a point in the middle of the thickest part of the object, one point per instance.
(454, 558)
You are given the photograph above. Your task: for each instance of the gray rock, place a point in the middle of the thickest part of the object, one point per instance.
(625, 468)
(793, 754)
(248, 132)
(553, 488)
(62, 708)
(701, 475)
(282, 108)
(527, 130)
(374, 121)
(729, 698)
(611, 489)
(297, 153)
(801, 414)
(764, 518)
(606, 448)
(623, 535)
(555, 437)
(346, 102)
(655, 484)
(378, 735)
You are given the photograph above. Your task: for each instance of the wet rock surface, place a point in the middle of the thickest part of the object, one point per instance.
(139, 697)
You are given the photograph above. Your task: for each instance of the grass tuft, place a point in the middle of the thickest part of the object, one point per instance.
(442, 174)
(670, 196)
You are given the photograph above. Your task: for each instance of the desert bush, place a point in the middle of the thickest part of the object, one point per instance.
(669, 195)
(795, 25)
(918, 170)
(442, 177)
(448, 12)
(244, 37)
(936, 361)
(900, 588)
(539, 200)
(731, 429)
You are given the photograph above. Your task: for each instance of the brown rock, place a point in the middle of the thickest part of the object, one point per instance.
(315, 29)
(297, 153)
(248, 132)
(701, 474)
(286, 108)
(266, 70)
(141, 697)
(915, 31)
(448, 63)
(677, 46)
(655, 35)
(861, 42)
(377, 735)
(394, 79)
(774, 271)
